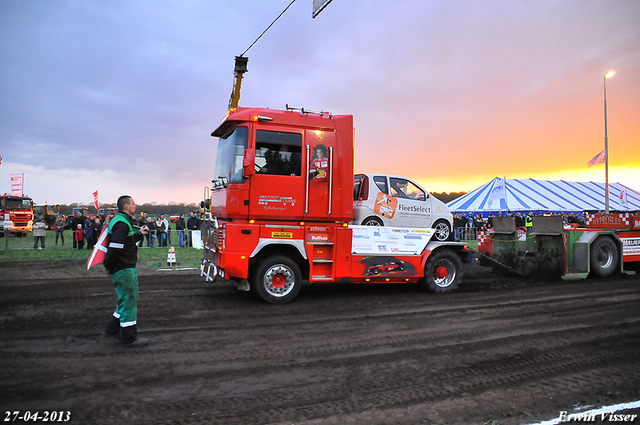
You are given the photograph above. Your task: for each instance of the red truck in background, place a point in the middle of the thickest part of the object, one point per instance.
(281, 205)
(16, 214)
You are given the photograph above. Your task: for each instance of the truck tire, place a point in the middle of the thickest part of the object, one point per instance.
(442, 273)
(372, 221)
(443, 230)
(277, 280)
(604, 257)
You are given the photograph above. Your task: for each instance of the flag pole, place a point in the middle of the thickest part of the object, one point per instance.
(608, 74)
(505, 193)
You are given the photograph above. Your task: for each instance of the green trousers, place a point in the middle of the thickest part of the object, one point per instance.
(125, 282)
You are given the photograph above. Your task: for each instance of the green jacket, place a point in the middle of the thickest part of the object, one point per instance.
(122, 251)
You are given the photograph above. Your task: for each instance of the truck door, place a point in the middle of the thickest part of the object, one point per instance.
(414, 205)
(323, 174)
(277, 187)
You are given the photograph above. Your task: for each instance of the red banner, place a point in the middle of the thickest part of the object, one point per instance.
(95, 200)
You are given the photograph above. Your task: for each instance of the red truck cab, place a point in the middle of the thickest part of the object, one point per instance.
(284, 165)
(16, 214)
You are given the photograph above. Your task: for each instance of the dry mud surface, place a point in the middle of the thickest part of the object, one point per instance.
(500, 349)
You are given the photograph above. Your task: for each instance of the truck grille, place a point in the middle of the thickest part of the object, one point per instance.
(212, 243)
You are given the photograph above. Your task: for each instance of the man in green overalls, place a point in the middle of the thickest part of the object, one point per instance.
(120, 261)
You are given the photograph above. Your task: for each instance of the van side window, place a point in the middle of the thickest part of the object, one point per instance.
(401, 188)
(381, 182)
(278, 153)
(357, 187)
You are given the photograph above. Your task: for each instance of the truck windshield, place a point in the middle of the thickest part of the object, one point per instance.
(230, 154)
(17, 204)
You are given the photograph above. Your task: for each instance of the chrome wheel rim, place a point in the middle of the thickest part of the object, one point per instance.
(442, 231)
(444, 273)
(279, 280)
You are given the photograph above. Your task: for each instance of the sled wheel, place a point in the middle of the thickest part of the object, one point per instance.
(604, 257)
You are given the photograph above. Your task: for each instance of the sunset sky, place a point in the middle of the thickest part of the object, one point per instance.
(121, 97)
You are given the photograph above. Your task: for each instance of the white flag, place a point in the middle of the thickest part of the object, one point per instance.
(623, 198)
(498, 191)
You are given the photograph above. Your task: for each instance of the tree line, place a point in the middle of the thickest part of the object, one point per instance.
(448, 197)
(153, 209)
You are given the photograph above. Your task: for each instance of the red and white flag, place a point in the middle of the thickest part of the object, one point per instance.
(100, 250)
(623, 198)
(95, 200)
(598, 159)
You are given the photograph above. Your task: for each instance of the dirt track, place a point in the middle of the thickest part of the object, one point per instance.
(504, 350)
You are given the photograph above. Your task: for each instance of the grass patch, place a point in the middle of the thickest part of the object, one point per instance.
(21, 249)
(472, 245)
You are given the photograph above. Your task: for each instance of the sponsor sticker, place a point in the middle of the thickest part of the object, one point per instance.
(385, 205)
(630, 246)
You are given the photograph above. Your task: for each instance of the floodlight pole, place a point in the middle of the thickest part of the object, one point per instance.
(609, 74)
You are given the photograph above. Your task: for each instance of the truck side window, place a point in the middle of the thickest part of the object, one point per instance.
(358, 188)
(278, 153)
(381, 182)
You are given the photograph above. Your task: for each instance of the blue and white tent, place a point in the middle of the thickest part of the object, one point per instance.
(501, 195)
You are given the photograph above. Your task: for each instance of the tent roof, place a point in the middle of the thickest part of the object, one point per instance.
(544, 195)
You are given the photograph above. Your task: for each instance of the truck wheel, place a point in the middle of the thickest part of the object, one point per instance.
(443, 231)
(277, 280)
(372, 221)
(442, 273)
(604, 257)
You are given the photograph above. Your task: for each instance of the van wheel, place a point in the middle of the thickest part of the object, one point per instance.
(443, 230)
(277, 280)
(604, 257)
(372, 221)
(442, 273)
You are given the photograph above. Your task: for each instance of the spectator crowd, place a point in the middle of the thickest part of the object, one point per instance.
(469, 224)
(85, 230)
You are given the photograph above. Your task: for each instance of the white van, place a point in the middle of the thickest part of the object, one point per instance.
(383, 200)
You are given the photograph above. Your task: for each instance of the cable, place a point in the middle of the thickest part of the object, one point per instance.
(263, 32)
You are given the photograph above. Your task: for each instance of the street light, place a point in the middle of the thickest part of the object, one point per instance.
(609, 74)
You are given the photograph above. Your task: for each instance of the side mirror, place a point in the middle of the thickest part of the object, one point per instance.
(248, 162)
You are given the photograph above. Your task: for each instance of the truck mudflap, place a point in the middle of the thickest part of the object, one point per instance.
(210, 233)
